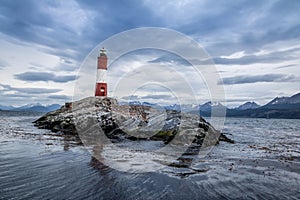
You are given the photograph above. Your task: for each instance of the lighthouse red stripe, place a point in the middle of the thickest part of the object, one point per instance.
(102, 62)
(101, 85)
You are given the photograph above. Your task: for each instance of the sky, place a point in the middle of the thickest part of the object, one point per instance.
(255, 45)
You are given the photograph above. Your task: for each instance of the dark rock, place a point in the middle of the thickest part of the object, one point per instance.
(224, 138)
(133, 122)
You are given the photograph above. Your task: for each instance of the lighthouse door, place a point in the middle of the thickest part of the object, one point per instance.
(102, 91)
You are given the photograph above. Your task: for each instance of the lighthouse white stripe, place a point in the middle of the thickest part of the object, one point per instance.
(101, 76)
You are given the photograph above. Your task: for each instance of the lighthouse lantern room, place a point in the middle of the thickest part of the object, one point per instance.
(101, 85)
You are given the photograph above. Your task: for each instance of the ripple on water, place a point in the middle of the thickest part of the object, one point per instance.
(30, 169)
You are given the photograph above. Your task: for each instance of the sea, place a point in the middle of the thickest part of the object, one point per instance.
(263, 163)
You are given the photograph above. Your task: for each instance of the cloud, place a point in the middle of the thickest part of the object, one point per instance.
(286, 66)
(3, 64)
(171, 59)
(224, 31)
(70, 29)
(158, 96)
(163, 99)
(272, 57)
(150, 96)
(62, 97)
(44, 76)
(29, 90)
(256, 78)
(42, 23)
(19, 96)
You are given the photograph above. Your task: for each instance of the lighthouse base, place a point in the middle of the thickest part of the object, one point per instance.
(101, 89)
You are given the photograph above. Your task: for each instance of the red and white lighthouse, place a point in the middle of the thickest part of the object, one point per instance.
(101, 85)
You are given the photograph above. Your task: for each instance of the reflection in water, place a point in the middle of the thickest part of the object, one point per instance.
(97, 159)
(66, 145)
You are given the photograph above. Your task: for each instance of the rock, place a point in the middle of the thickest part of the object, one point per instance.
(132, 122)
(224, 138)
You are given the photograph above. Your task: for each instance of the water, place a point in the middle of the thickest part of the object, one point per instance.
(263, 164)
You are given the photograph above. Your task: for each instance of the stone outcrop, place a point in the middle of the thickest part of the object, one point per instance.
(132, 122)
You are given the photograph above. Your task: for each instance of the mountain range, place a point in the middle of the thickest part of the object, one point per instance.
(279, 107)
(36, 107)
(248, 105)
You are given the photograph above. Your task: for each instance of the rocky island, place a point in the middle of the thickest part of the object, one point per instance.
(127, 122)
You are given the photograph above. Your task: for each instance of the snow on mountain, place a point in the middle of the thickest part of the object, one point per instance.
(208, 106)
(285, 100)
(248, 105)
(33, 107)
(28, 106)
(278, 100)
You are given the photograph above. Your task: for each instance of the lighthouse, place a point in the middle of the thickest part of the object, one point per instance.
(101, 85)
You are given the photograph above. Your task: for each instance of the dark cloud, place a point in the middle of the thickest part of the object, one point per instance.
(224, 28)
(66, 61)
(130, 98)
(19, 96)
(158, 96)
(171, 59)
(18, 18)
(148, 97)
(273, 57)
(63, 66)
(229, 27)
(121, 15)
(285, 66)
(257, 78)
(44, 76)
(62, 97)
(245, 25)
(29, 90)
(177, 60)
(30, 21)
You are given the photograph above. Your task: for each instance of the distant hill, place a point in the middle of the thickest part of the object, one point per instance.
(6, 107)
(37, 107)
(173, 107)
(28, 106)
(279, 107)
(208, 106)
(248, 105)
(284, 100)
